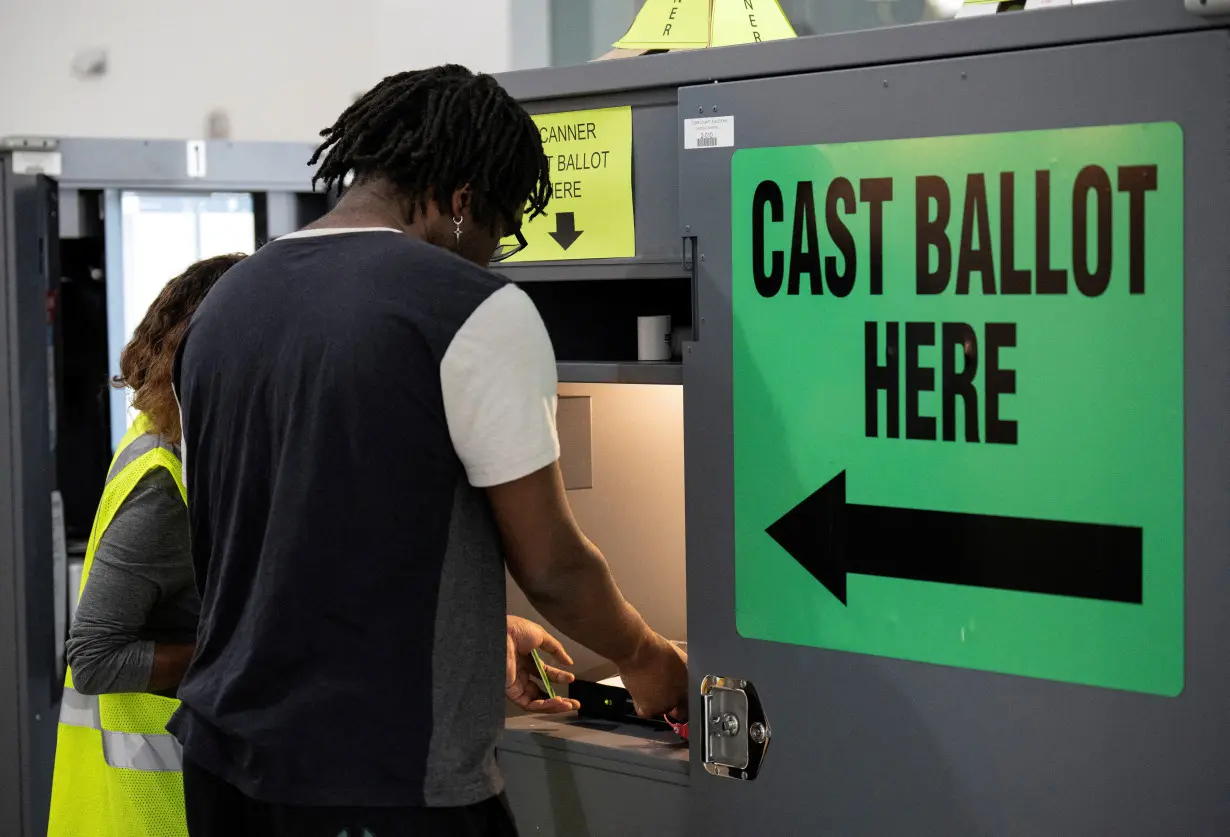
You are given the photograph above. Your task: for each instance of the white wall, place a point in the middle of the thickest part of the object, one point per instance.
(281, 69)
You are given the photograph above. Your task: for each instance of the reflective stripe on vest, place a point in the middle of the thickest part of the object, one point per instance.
(136, 448)
(128, 750)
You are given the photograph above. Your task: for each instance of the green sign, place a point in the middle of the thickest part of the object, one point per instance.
(958, 401)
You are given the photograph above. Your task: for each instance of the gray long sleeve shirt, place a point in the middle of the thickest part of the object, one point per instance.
(140, 591)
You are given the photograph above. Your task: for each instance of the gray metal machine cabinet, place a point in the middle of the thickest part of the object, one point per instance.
(90, 229)
(29, 685)
(870, 743)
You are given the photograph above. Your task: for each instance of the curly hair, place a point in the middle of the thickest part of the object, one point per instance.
(145, 363)
(431, 132)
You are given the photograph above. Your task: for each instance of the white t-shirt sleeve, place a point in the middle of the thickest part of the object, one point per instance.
(499, 382)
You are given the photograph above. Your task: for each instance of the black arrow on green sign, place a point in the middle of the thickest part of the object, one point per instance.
(831, 539)
(566, 232)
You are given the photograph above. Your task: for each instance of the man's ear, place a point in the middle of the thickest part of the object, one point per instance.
(462, 199)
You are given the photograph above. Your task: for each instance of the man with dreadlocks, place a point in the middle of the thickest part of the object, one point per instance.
(369, 433)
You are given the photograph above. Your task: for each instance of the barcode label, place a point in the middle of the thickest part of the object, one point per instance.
(709, 132)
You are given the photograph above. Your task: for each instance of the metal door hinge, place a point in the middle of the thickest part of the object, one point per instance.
(736, 730)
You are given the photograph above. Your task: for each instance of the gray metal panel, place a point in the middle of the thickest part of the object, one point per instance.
(27, 652)
(640, 751)
(31, 200)
(563, 780)
(11, 802)
(864, 745)
(565, 797)
(668, 267)
(971, 36)
(163, 164)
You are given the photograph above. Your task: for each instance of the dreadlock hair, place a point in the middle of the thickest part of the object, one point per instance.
(145, 363)
(431, 132)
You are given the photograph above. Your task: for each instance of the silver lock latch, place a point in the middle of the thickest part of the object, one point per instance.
(736, 731)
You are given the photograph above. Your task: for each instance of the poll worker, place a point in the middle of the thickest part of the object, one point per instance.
(369, 426)
(117, 768)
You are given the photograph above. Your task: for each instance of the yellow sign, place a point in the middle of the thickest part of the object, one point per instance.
(697, 24)
(669, 24)
(748, 22)
(590, 214)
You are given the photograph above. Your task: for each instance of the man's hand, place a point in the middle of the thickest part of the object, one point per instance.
(519, 686)
(568, 581)
(657, 678)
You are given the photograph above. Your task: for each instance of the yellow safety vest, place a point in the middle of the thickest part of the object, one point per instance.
(118, 772)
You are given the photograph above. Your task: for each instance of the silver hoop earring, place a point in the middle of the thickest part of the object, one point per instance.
(457, 232)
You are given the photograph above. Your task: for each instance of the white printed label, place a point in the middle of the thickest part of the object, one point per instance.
(196, 158)
(49, 163)
(709, 132)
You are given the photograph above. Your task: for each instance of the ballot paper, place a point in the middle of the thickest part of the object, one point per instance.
(618, 682)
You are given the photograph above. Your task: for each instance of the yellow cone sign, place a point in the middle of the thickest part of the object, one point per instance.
(697, 24)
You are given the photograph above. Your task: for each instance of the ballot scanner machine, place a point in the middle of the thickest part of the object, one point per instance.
(953, 389)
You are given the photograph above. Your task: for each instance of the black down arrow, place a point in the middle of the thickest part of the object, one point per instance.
(566, 232)
(831, 538)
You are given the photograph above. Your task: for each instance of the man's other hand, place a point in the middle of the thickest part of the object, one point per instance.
(519, 683)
